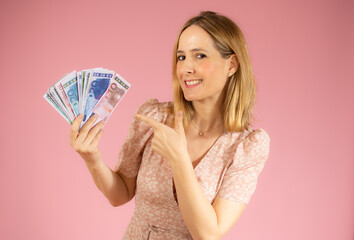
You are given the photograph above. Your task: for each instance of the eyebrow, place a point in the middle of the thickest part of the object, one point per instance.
(193, 50)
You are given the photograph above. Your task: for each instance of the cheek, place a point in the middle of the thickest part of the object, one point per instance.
(178, 70)
(215, 72)
(210, 72)
(206, 68)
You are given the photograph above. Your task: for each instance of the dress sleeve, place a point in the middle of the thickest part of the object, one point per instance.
(240, 179)
(130, 155)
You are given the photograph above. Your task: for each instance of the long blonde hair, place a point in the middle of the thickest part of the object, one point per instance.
(240, 87)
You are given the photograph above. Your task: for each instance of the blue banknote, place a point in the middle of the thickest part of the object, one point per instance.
(70, 87)
(98, 86)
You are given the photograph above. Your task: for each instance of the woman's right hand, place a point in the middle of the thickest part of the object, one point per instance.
(86, 140)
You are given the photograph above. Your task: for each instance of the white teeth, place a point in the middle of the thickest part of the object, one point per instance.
(193, 82)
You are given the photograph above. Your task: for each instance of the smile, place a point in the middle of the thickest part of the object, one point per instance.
(192, 83)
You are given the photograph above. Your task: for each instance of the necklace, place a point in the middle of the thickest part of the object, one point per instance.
(201, 133)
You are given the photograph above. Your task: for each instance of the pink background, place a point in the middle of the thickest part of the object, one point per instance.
(302, 55)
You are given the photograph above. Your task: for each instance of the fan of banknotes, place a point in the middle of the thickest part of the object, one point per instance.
(88, 92)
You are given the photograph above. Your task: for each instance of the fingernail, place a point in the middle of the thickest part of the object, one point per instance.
(180, 113)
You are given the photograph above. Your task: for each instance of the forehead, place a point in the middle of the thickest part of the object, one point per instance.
(195, 37)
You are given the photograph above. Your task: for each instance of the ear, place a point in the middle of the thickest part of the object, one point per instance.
(233, 64)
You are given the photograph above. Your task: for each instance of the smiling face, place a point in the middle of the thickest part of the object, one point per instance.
(201, 70)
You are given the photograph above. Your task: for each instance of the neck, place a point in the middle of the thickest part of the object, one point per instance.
(208, 114)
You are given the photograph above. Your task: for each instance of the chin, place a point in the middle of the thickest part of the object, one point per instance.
(191, 98)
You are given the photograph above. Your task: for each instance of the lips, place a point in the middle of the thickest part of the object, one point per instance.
(192, 83)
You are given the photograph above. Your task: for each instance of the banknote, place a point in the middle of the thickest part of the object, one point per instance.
(51, 102)
(79, 88)
(89, 91)
(64, 98)
(69, 84)
(87, 74)
(118, 86)
(97, 85)
(85, 79)
(52, 92)
(54, 100)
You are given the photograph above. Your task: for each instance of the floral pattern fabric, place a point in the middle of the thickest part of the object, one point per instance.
(229, 170)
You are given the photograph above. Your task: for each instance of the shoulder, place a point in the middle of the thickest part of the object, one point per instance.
(252, 143)
(256, 144)
(155, 109)
(253, 148)
(251, 136)
(257, 136)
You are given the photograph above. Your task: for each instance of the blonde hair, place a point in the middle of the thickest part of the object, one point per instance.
(240, 87)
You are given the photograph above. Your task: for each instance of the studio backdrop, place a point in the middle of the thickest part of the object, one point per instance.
(302, 57)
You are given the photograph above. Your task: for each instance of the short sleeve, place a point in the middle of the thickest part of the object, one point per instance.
(130, 155)
(240, 179)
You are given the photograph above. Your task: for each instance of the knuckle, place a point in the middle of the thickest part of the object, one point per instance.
(91, 150)
(84, 126)
(92, 118)
(75, 123)
(84, 131)
(76, 148)
(83, 150)
(98, 138)
(79, 148)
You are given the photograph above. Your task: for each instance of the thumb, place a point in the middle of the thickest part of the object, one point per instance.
(179, 122)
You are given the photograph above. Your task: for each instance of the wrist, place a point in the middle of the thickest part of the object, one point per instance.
(92, 160)
(181, 160)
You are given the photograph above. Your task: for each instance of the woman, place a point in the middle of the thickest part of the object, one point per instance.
(191, 164)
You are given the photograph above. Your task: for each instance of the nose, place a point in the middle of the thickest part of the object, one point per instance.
(188, 66)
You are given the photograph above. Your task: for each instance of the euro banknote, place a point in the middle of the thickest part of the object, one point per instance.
(59, 90)
(98, 83)
(89, 91)
(116, 91)
(70, 87)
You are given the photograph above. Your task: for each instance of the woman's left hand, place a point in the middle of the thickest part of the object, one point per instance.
(168, 142)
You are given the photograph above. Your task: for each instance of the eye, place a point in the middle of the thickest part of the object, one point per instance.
(201, 55)
(181, 58)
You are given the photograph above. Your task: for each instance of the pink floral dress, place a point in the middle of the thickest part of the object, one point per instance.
(229, 170)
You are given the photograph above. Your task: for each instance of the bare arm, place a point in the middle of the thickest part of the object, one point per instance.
(111, 183)
(203, 219)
